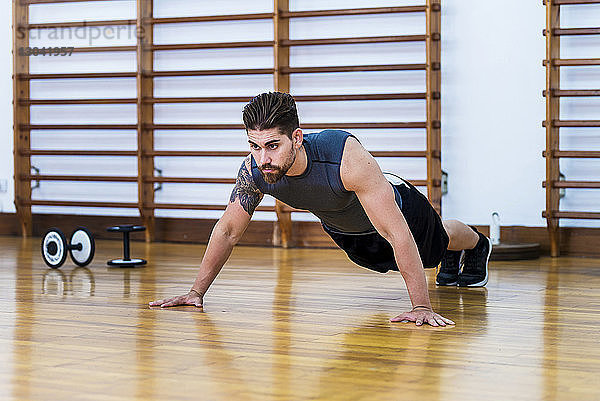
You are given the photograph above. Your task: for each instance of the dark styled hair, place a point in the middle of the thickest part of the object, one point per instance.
(272, 110)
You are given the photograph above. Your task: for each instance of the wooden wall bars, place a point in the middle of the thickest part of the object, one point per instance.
(145, 101)
(553, 123)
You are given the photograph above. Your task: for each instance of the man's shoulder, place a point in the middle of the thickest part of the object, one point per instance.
(357, 165)
(329, 144)
(353, 151)
(328, 135)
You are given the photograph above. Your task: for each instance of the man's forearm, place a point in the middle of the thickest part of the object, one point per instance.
(410, 266)
(217, 252)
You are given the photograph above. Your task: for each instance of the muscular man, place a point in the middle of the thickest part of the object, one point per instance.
(381, 225)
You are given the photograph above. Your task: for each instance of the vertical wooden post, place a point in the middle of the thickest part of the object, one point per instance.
(434, 141)
(145, 115)
(22, 141)
(282, 233)
(552, 132)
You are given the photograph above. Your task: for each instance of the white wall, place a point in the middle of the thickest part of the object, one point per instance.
(492, 111)
(491, 98)
(6, 111)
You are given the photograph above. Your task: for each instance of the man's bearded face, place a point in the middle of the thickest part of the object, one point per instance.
(273, 173)
(273, 152)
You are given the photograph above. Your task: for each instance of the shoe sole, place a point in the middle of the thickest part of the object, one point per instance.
(487, 270)
(460, 263)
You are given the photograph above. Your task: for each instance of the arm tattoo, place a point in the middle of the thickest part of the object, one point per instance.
(246, 191)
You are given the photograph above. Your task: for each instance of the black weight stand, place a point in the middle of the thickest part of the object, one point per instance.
(126, 261)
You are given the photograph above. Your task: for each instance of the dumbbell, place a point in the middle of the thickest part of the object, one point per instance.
(81, 247)
(126, 261)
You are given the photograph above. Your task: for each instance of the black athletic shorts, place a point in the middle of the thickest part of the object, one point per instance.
(375, 252)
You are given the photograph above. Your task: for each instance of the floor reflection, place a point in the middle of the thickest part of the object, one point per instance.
(82, 283)
(145, 339)
(78, 282)
(551, 330)
(25, 309)
(364, 357)
(282, 307)
(219, 363)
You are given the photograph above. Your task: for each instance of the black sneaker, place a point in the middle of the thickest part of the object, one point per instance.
(475, 269)
(448, 273)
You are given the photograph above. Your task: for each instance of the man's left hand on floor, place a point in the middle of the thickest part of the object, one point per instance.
(420, 316)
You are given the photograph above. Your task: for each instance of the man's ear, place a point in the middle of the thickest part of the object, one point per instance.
(297, 137)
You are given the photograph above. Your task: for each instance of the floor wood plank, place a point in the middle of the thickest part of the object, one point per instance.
(296, 324)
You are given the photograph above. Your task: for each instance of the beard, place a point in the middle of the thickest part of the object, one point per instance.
(277, 171)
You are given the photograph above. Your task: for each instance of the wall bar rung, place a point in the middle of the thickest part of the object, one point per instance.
(574, 93)
(574, 154)
(83, 75)
(574, 215)
(78, 178)
(209, 18)
(351, 41)
(302, 42)
(574, 62)
(381, 96)
(192, 73)
(395, 153)
(574, 123)
(315, 98)
(62, 1)
(575, 31)
(353, 11)
(307, 125)
(574, 184)
(76, 101)
(257, 71)
(223, 99)
(198, 153)
(184, 206)
(374, 125)
(353, 68)
(419, 183)
(572, 2)
(116, 153)
(81, 204)
(220, 45)
(79, 126)
(195, 126)
(175, 153)
(191, 180)
(78, 24)
(102, 49)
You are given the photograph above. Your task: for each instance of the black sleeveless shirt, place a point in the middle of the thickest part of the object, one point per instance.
(319, 188)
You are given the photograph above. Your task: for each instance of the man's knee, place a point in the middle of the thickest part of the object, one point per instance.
(450, 226)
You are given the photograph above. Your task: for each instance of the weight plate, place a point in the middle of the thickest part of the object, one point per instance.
(126, 263)
(82, 237)
(54, 246)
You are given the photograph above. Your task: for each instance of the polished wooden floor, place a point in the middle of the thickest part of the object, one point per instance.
(290, 325)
